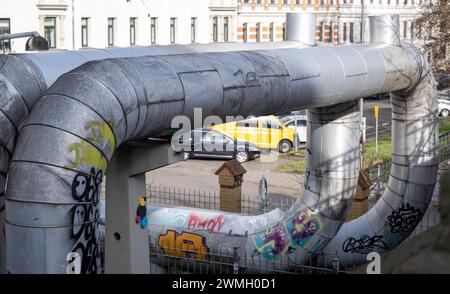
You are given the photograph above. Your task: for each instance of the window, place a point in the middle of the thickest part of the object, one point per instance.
(5, 28)
(322, 2)
(351, 33)
(284, 31)
(412, 30)
(173, 24)
(193, 28)
(84, 32)
(271, 29)
(244, 32)
(309, 2)
(133, 31)
(321, 31)
(258, 32)
(111, 23)
(153, 22)
(330, 33)
(50, 31)
(225, 29)
(214, 29)
(344, 33)
(405, 29)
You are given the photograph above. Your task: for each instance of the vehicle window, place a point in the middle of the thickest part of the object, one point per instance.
(218, 138)
(302, 123)
(207, 137)
(270, 123)
(444, 97)
(290, 123)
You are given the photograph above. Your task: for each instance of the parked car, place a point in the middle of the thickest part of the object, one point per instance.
(205, 143)
(443, 104)
(299, 127)
(443, 82)
(265, 132)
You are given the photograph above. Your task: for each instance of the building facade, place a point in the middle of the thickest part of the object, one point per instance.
(338, 21)
(75, 24)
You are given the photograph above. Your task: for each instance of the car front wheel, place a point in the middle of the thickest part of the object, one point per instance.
(242, 156)
(445, 112)
(285, 146)
(186, 155)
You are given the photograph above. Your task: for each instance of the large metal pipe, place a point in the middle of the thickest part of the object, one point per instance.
(25, 77)
(415, 140)
(301, 28)
(385, 29)
(72, 132)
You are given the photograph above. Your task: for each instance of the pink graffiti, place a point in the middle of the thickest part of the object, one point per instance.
(209, 224)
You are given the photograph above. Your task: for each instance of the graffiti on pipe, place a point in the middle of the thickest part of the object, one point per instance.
(404, 219)
(85, 189)
(86, 154)
(364, 245)
(294, 232)
(210, 224)
(185, 244)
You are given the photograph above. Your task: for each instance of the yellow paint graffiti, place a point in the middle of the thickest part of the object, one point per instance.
(100, 134)
(183, 244)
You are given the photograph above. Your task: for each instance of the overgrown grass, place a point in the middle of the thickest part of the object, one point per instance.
(295, 166)
(444, 128)
(371, 157)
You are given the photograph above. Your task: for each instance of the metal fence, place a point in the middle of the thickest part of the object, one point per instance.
(210, 199)
(179, 261)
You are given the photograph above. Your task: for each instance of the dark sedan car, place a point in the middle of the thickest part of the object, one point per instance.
(205, 143)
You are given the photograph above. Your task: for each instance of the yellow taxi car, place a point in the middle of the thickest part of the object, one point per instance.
(265, 132)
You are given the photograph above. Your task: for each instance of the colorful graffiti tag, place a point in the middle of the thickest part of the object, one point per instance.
(213, 224)
(86, 153)
(85, 189)
(141, 213)
(185, 244)
(295, 231)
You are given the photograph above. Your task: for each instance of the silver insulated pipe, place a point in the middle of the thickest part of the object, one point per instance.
(25, 77)
(415, 140)
(66, 142)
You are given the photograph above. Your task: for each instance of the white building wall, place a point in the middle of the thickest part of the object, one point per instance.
(28, 15)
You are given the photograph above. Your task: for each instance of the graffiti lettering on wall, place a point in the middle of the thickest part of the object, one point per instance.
(364, 245)
(295, 231)
(185, 244)
(100, 134)
(404, 219)
(213, 224)
(85, 189)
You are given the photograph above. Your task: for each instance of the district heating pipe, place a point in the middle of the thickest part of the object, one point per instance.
(25, 77)
(66, 142)
(415, 141)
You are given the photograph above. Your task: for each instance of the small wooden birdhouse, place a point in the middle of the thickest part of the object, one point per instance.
(230, 179)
